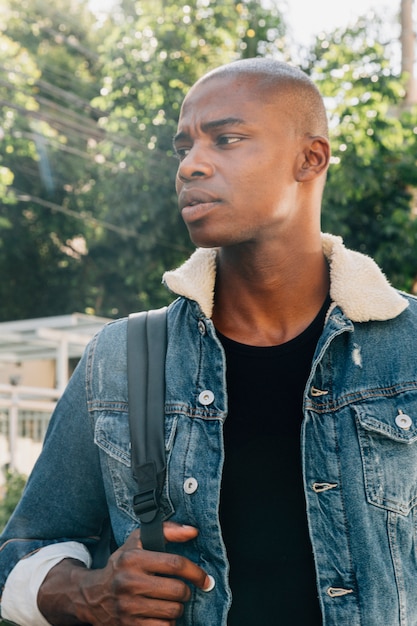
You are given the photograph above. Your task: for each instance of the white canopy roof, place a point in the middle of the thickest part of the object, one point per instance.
(56, 338)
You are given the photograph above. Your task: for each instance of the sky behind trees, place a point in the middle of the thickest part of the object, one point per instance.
(306, 19)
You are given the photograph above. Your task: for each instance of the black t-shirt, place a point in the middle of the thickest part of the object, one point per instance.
(263, 512)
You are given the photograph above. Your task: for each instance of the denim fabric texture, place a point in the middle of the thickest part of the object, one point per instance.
(359, 452)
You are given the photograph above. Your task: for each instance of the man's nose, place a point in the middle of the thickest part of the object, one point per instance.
(195, 164)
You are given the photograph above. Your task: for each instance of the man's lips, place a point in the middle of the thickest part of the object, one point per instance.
(192, 198)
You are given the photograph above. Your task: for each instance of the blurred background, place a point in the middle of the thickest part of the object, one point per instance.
(89, 98)
(90, 93)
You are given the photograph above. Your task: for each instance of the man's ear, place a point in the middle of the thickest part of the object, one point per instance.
(314, 160)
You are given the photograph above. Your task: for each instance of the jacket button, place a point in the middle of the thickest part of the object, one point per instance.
(206, 397)
(202, 327)
(190, 485)
(403, 421)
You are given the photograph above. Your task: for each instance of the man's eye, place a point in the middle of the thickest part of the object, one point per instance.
(227, 140)
(181, 153)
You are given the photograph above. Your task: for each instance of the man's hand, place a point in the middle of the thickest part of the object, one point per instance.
(137, 587)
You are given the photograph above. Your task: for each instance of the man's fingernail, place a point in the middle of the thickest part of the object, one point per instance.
(210, 583)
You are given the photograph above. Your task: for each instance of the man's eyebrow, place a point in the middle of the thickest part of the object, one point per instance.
(227, 121)
(211, 125)
(182, 136)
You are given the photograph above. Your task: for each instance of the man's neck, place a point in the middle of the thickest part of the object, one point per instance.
(268, 300)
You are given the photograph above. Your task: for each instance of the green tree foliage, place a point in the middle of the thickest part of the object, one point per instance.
(155, 52)
(46, 120)
(95, 211)
(88, 107)
(369, 195)
(14, 485)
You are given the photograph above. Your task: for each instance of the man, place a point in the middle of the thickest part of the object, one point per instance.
(295, 465)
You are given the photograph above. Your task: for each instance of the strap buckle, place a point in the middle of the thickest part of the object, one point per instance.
(145, 505)
(146, 502)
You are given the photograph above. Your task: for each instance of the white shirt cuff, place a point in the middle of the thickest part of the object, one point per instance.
(19, 602)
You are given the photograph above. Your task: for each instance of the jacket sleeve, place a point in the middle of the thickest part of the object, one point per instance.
(64, 499)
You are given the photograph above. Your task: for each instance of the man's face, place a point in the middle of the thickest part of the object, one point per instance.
(237, 149)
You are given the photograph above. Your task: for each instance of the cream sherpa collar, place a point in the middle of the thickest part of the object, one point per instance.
(357, 284)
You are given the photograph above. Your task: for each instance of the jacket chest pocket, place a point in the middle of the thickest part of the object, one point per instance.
(387, 431)
(112, 435)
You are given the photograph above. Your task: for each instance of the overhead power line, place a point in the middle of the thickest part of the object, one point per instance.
(58, 121)
(89, 219)
(84, 217)
(82, 126)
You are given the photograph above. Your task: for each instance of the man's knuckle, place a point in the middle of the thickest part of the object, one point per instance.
(174, 610)
(180, 590)
(177, 563)
(124, 559)
(186, 593)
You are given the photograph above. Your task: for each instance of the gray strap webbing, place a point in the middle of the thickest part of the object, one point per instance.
(146, 351)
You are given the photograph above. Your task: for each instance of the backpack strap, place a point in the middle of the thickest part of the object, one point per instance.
(146, 350)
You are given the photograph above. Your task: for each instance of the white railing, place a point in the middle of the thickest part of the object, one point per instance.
(24, 418)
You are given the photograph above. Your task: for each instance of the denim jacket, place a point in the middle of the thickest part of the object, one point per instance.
(358, 441)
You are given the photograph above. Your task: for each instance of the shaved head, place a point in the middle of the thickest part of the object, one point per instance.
(283, 82)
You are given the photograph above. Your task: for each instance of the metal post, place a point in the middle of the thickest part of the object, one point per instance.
(13, 429)
(62, 365)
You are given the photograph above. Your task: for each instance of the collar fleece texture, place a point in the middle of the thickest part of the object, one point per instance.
(357, 285)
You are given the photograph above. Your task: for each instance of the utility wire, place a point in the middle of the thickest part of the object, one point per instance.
(81, 126)
(22, 196)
